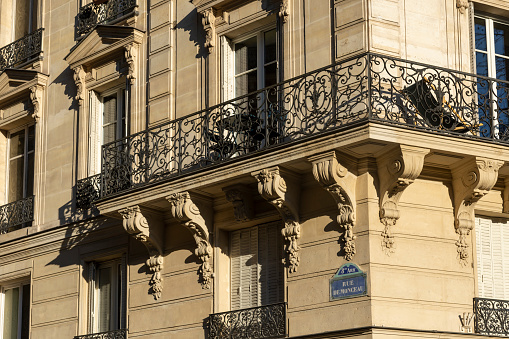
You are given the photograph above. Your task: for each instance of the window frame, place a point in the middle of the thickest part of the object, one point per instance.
(32, 26)
(11, 285)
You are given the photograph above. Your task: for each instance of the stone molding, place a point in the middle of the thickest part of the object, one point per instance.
(340, 183)
(188, 214)
(397, 169)
(462, 5)
(281, 189)
(241, 198)
(284, 10)
(472, 180)
(151, 234)
(209, 25)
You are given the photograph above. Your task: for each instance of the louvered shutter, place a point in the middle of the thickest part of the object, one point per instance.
(123, 291)
(91, 296)
(228, 68)
(269, 264)
(95, 138)
(497, 260)
(505, 258)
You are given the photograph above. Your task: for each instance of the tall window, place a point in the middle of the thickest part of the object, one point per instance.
(25, 18)
(107, 284)
(256, 268)
(15, 316)
(21, 164)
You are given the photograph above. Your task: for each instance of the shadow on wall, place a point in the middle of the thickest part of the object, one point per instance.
(66, 79)
(191, 24)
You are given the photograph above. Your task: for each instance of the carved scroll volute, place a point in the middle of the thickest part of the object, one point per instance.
(462, 6)
(188, 214)
(284, 194)
(397, 169)
(472, 180)
(79, 80)
(36, 98)
(131, 51)
(151, 234)
(340, 183)
(242, 201)
(209, 25)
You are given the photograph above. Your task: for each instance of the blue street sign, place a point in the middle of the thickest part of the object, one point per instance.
(349, 281)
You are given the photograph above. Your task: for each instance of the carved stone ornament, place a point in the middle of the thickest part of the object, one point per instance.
(462, 5)
(79, 80)
(397, 169)
(466, 322)
(187, 213)
(472, 180)
(284, 195)
(131, 51)
(284, 10)
(505, 196)
(36, 98)
(151, 235)
(209, 25)
(336, 179)
(241, 200)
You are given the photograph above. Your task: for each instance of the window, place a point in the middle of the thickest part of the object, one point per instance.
(107, 123)
(15, 317)
(20, 177)
(25, 19)
(256, 266)
(107, 283)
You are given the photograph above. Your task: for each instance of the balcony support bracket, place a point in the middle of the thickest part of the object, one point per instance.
(397, 169)
(472, 178)
(340, 183)
(184, 209)
(282, 190)
(151, 234)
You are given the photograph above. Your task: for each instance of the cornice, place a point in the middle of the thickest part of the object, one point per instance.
(15, 83)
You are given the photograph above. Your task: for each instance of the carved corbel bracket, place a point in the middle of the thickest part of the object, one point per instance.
(131, 52)
(188, 214)
(472, 180)
(241, 199)
(397, 169)
(284, 194)
(209, 25)
(462, 5)
(284, 10)
(36, 98)
(505, 196)
(79, 80)
(336, 179)
(151, 235)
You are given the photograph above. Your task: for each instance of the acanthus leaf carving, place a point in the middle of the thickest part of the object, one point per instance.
(284, 196)
(151, 235)
(284, 10)
(209, 25)
(397, 169)
(472, 180)
(241, 200)
(188, 214)
(462, 5)
(336, 179)
(79, 80)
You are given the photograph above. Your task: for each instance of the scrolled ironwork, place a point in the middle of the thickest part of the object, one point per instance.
(252, 323)
(21, 50)
(117, 334)
(491, 316)
(87, 191)
(16, 214)
(92, 14)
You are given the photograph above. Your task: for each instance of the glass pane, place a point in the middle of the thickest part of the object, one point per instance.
(104, 300)
(246, 83)
(16, 179)
(30, 175)
(21, 19)
(31, 138)
(109, 133)
(481, 63)
(502, 66)
(25, 312)
(34, 16)
(245, 55)
(10, 330)
(110, 109)
(17, 143)
(501, 32)
(480, 34)
(270, 46)
(271, 74)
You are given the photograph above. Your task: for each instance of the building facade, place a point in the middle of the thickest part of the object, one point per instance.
(254, 168)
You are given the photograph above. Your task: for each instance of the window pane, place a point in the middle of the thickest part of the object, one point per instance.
(31, 138)
(16, 179)
(245, 55)
(270, 46)
(246, 83)
(25, 312)
(21, 18)
(10, 330)
(30, 175)
(481, 63)
(109, 133)
(17, 143)
(501, 32)
(502, 66)
(104, 300)
(110, 109)
(271, 74)
(480, 34)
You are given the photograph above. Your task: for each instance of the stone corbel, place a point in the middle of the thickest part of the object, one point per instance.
(336, 180)
(281, 189)
(397, 169)
(505, 196)
(242, 201)
(462, 5)
(188, 214)
(36, 98)
(131, 51)
(79, 80)
(209, 25)
(151, 234)
(472, 180)
(284, 10)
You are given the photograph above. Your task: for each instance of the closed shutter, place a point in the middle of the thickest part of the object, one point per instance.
(497, 260)
(269, 250)
(505, 257)
(92, 296)
(95, 138)
(228, 68)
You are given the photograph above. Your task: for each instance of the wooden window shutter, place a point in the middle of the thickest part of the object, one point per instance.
(95, 138)
(91, 296)
(123, 291)
(269, 264)
(244, 268)
(497, 260)
(227, 68)
(484, 257)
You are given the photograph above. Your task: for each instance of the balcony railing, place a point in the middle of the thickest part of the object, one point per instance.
(87, 191)
(367, 88)
(252, 323)
(21, 50)
(92, 15)
(117, 334)
(491, 317)
(16, 214)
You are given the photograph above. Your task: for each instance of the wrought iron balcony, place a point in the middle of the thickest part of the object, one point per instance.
(366, 88)
(92, 15)
(21, 50)
(16, 214)
(117, 334)
(491, 317)
(87, 191)
(252, 323)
